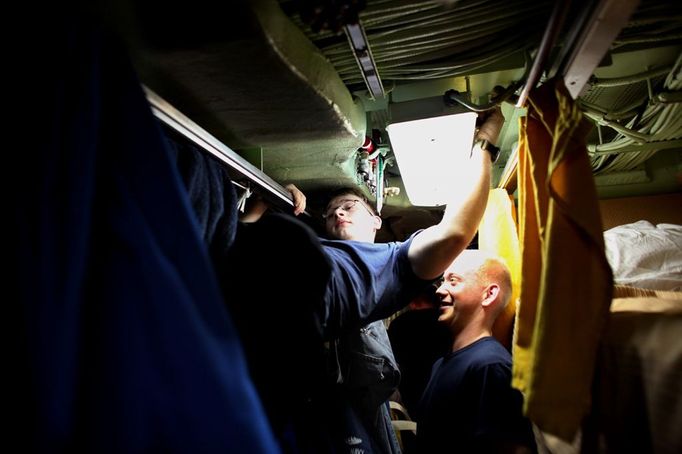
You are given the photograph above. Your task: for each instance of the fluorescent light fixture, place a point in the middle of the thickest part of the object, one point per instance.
(432, 155)
(363, 56)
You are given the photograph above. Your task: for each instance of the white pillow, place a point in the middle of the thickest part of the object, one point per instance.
(644, 255)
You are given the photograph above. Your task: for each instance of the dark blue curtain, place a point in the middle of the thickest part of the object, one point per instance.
(121, 338)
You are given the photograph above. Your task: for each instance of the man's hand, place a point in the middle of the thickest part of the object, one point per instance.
(298, 198)
(491, 125)
(257, 207)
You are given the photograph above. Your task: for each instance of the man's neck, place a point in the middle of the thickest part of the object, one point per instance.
(468, 336)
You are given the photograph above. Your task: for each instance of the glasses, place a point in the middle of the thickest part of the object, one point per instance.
(347, 205)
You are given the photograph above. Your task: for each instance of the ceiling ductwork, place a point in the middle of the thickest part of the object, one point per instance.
(298, 101)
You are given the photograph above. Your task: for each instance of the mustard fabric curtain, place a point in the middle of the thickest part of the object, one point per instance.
(566, 281)
(497, 235)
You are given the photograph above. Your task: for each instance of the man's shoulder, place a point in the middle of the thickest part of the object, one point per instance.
(345, 244)
(488, 352)
(360, 249)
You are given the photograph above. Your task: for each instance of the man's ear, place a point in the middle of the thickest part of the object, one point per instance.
(377, 223)
(491, 294)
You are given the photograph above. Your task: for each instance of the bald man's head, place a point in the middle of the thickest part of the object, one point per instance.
(487, 268)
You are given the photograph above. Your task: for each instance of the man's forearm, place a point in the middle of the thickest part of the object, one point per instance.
(436, 247)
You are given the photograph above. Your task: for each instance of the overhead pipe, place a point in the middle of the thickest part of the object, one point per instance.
(556, 21)
(634, 78)
(508, 179)
(597, 150)
(499, 94)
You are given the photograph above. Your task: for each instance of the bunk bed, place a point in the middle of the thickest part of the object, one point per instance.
(638, 382)
(636, 403)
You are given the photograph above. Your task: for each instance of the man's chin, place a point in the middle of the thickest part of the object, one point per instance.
(343, 234)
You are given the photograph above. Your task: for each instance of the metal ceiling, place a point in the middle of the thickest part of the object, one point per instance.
(422, 40)
(636, 111)
(294, 102)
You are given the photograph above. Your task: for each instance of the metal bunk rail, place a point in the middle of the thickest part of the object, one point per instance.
(183, 125)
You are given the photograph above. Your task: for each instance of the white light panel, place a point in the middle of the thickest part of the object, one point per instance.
(431, 154)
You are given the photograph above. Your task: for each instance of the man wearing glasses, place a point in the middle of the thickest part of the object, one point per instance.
(369, 282)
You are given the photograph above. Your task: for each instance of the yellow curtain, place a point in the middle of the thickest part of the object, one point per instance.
(497, 235)
(566, 281)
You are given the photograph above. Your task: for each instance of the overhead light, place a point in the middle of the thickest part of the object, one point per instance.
(432, 155)
(363, 56)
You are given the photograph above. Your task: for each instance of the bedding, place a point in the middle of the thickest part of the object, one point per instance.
(638, 397)
(645, 255)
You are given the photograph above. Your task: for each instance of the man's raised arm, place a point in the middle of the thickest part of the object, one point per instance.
(436, 247)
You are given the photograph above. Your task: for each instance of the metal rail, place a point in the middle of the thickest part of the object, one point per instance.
(554, 25)
(172, 117)
(588, 46)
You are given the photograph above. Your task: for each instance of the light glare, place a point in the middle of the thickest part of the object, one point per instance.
(431, 154)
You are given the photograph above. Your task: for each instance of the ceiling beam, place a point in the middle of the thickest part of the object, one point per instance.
(607, 20)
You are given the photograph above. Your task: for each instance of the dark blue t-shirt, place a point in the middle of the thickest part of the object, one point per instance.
(369, 282)
(469, 404)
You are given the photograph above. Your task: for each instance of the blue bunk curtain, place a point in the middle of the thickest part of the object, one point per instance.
(122, 342)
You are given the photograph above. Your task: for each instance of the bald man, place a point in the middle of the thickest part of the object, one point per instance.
(469, 404)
